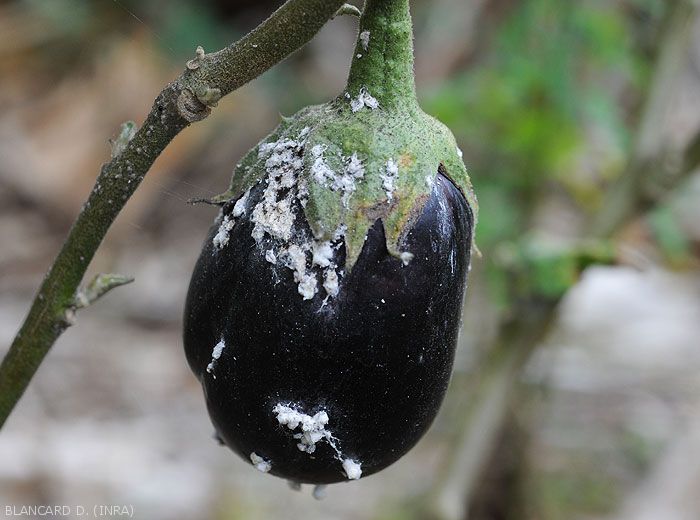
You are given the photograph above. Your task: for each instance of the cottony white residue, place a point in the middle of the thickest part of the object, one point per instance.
(406, 257)
(364, 99)
(460, 153)
(288, 179)
(284, 156)
(265, 148)
(353, 170)
(353, 469)
(364, 39)
(295, 259)
(358, 103)
(308, 286)
(322, 254)
(354, 167)
(313, 429)
(340, 232)
(323, 257)
(274, 214)
(274, 218)
(330, 283)
(215, 355)
(260, 463)
(429, 181)
(226, 224)
(239, 207)
(389, 179)
(320, 169)
(302, 192)
(222, 235)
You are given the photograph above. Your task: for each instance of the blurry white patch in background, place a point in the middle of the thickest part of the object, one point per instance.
(623, 376)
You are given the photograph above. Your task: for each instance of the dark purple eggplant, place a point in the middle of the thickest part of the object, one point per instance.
(376, 359)
(323, 313)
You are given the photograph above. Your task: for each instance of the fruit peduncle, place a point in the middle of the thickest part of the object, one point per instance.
(383, 60)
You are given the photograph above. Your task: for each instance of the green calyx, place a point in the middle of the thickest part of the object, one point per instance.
(371, 153)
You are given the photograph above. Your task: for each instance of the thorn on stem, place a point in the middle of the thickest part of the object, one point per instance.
(98, 287)
(193, 64)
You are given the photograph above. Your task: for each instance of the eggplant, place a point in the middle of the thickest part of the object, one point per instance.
(375, 359)
(323, 312)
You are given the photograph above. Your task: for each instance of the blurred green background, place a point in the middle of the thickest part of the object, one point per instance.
(576, 391)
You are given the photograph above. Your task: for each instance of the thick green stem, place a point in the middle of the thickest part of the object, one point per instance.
(383, 62)
(189, 98)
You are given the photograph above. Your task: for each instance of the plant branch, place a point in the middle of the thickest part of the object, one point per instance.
(498, 381)
(188, 99)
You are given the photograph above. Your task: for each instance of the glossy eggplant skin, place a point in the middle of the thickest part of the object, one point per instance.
(377, 358)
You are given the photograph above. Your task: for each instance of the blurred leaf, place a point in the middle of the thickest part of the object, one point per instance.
(71, 16)
(544, 104)
(670, 237)
(541, 270)
(187, 25)
(580, 490)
